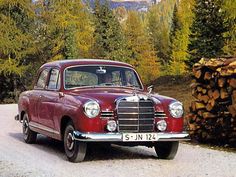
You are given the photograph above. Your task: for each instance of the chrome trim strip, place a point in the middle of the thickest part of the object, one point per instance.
(146, 125)
(134, 113)
(136, 107)
(129, 125)
(107, 115)
(161, 117)
(42, 127)
(117, 137)
(157, 114)
(129, 119)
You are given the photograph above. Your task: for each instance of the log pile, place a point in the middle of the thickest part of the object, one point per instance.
(212, 117)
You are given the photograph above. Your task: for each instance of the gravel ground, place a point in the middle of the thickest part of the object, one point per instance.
(46, 158)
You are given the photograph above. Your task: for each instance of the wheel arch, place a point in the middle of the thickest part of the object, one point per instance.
(64, 121)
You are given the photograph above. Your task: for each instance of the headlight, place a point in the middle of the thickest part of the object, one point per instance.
(176, 109)
(91, 109)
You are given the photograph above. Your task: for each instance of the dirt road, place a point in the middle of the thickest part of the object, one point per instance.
(46, 158)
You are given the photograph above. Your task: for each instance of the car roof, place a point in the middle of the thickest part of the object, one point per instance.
(66, 63)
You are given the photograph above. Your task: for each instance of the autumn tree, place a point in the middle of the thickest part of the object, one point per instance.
(159, 24)
(17, 44)
(109, 38)
(180, 31)
(16, 39)
(64, 30)
(229, 9)
(206, 39)
(142, 52)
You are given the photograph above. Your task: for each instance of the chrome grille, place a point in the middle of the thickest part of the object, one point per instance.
(135, 116)
(107, 114)
(160, 115)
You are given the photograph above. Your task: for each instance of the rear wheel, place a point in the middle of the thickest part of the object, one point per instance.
(166, 150)
(29, 135)
(75, 151)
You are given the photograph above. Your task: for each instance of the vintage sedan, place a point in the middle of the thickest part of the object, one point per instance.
(86, 100)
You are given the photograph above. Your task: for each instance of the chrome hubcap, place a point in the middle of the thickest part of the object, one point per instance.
(70, 141)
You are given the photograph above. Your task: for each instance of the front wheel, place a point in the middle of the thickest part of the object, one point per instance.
(166, 150)
(75, 151)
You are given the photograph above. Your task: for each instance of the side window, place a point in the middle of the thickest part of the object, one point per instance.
(41, 83)
(54, 80)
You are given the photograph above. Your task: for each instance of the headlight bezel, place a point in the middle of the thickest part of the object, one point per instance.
(86, 108)
(175, 106)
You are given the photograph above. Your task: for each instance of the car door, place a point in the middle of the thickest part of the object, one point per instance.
(34, 95)
(49, 100)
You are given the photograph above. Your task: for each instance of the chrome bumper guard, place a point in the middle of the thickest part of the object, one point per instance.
(117, 137)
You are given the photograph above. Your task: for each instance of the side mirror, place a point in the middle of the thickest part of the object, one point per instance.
(150, 88)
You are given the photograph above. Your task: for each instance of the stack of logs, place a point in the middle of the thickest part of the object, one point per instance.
(212, 117)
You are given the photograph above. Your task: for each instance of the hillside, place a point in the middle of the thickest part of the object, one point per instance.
(137, 5)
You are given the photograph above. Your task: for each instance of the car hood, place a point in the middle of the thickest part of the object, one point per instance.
(107, 97)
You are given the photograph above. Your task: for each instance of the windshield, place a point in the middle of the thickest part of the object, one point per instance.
(100, 76)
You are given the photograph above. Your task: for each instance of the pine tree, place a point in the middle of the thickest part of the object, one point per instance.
(142, 52)
(175, 25)
(109, 39)
(16, 46)
(159, 24)
(182, 20)
(15, 35)
(206, 38)
(64, 30)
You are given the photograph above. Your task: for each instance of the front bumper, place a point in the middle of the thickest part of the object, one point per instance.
(117, 137)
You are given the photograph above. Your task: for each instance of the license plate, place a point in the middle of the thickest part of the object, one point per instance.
(139, 137)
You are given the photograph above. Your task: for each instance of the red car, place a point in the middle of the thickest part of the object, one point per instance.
(82, 101)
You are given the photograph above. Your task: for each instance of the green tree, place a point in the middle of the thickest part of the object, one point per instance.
(182, 21)
(206, 39)
(142, 52)
(15, 35)
(159, 24)
(175, 25)
(229, 8)
(64, 30)
(109, 38)
(17, 44)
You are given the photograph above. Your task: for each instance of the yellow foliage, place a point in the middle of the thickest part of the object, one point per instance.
(179, 53)
(16, 43)
(11, 66)
(142, 51)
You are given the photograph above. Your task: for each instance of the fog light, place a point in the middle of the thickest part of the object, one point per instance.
(111, 125)
(161, 125)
